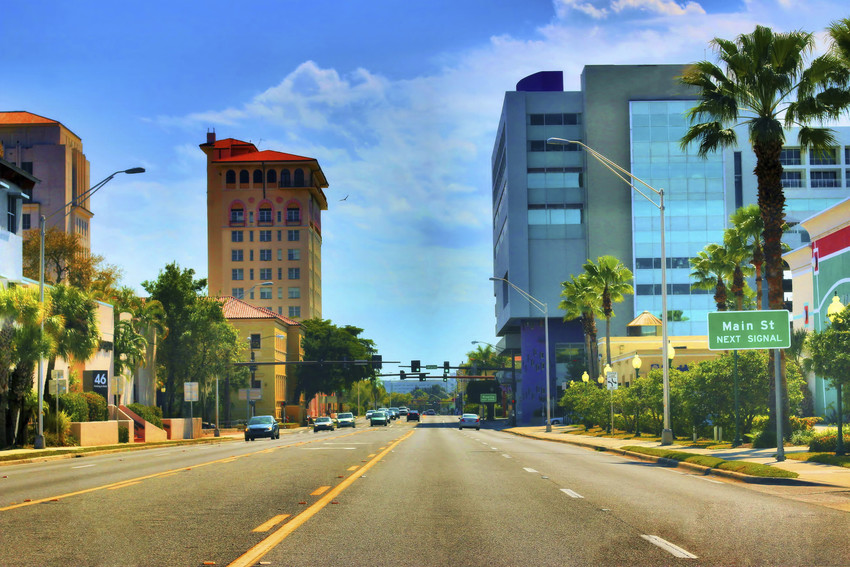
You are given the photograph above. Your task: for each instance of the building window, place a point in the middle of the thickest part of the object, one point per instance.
(265, 293)
(285, 179)
(250, 255)
(293, 235)
(11, 214)
(295, 273)
(251, 217)
(280, 273)
(280, 232)
(542, 146)
(279, 255)
(299, 178)
(258, 177)
(237, 215)
(553, 214)
(265, 235)
(230, 177)
(567, 119)
(25, 221)
(243, 177)
(266, 255)
(294, 311)
(293, 254)
(293, 215)
(792, 179)
(237, 255)
(237, 236)
(790, 156)
(295, 293)
(822, 157)
(271, 176)
(280, 293)
(824, 179)
(250, 236)
(251, 274)
(265, 215)
(238, 292)
(237, 274)
(265, 274)
(278, 217)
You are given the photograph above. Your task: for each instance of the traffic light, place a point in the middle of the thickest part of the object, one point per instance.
(445, 370)
(377, 361)
(401, 374)
(414, 366)
(421, 376)
(445, 378)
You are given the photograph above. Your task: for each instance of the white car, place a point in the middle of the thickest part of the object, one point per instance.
(345, 419)
(469, 420)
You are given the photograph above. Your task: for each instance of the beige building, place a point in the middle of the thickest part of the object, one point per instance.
(264, 227)
(49, 151)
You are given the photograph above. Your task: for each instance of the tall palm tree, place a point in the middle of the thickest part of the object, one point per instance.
(611, 278)
(581, 300)
(767, 83)
(739, 254)
(749, 226)
(712, 268)
(80, 337)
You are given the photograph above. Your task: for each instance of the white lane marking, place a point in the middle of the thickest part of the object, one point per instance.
(672, 470)
(571, 493)
(506, 456)
(328, 448)
(526, 469)
(346, 443)
(711, 480)
(82, 466)
(674, 550)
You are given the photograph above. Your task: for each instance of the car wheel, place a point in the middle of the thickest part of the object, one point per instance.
(460, 428)
(477, 429)
(246, 439)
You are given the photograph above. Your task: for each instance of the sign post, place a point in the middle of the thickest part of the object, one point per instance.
(190, 394)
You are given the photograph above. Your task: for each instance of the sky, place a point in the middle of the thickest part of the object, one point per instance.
(398, 101)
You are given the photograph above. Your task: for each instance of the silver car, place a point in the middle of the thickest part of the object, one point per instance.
(469, 420)
(345, 419)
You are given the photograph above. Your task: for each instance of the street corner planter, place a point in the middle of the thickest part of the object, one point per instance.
(95, 433)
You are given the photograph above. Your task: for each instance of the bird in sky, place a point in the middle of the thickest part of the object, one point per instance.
(344, 198)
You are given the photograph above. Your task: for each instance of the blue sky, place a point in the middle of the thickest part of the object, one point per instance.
(398, 100)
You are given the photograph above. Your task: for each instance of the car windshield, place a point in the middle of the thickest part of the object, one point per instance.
(345, 415)
(470, 415)
(261, 420)
(322, 419)
(378, 414)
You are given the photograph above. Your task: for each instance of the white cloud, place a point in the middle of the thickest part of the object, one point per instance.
(664, 7)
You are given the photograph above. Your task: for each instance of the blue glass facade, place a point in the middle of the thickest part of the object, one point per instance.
(695, 211)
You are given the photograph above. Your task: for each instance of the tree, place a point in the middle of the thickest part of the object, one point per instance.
(581, 300)
(749, 226)
(712, 266)
(738, 253)
(79, 337)
(610, 278)
(766, 83)
(321, 341)
(829, 352)
(177, 291)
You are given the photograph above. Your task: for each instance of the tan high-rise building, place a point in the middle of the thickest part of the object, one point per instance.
(52, 153)
(264, 227)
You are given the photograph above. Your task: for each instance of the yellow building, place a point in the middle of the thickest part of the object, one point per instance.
(264, 229)
(49, 151)
(271, 338)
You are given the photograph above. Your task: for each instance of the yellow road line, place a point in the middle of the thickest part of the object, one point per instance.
(253, 555)
(271, 523)
(124, 485)
(319, 491)
(353, 468)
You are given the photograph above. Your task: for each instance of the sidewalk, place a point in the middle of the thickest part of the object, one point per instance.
(809, 473)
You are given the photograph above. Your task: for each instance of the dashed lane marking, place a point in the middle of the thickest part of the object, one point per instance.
(319, 491)
(526, 469)
(571, 493)
(673, 550)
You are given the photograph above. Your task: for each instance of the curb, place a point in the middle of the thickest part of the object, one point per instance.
(672, 463)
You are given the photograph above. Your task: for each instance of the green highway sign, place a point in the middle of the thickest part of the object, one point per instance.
(488, 398)
(431, 367)
(745, 330)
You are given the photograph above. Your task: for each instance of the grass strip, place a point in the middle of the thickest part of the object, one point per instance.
(825, 458)
(743, 467)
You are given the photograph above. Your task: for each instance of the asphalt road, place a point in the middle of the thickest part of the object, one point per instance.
(400, 495)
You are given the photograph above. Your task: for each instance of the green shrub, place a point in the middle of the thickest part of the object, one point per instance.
(803, 423)
(802, 437)
(57, 428)
(97, 406)
(151, 414)
(828, 441)
(75, 405)
(123, 434)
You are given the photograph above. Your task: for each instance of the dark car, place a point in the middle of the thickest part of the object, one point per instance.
(262, 426)
(412, 415)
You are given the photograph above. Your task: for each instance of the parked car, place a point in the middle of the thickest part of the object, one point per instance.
(262, 426)
(322, 423)
(345, 419)
(430, 412)
(379, 418)
(412, 415)
(469, 420)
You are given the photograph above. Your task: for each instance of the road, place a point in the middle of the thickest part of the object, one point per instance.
(398, 495)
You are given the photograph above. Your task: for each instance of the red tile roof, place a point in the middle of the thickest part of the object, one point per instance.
(23, 117)
(266, 156)
(237, 309)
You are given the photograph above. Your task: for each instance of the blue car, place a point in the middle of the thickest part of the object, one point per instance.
(262, 426)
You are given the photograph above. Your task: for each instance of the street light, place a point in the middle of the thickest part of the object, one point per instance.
(39, 438)
(834, 313)
(543, 308)
(667, 432)
(585, 377)
(636, 364)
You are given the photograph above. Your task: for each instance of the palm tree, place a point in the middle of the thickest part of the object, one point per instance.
(79, 338)
(767, 85)
(610, 278)
(739, 255)
(712, 267)
(581, 300)
(749, 226)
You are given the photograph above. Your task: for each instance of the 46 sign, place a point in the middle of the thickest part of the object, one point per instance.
(96, 381)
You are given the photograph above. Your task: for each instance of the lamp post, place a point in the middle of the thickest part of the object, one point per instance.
(42, 221)
(585, 377)
(636, 364)
(667, 432)
(543, 308)
(834, 313)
